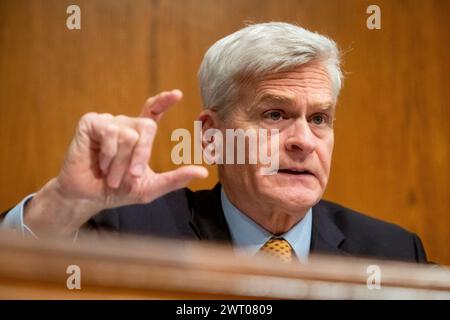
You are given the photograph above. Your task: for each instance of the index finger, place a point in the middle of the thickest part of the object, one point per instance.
(155, 106)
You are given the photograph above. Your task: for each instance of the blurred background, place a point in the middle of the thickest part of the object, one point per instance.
(391, 158)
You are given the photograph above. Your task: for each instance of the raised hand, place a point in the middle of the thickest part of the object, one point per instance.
(106, 166)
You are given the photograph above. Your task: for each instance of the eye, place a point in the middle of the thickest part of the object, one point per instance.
(319, 119)
(273, 115)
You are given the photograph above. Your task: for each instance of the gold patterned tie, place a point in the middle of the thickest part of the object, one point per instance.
(277, 248)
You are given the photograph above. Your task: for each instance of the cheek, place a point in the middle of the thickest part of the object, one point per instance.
(240, 174)
(325, 153)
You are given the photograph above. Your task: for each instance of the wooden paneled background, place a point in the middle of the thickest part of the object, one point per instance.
(392, 148)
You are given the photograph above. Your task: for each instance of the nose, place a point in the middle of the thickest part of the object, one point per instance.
(301, 138)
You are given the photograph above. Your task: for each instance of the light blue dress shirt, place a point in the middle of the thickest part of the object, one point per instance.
(248, 237)
(14, 219)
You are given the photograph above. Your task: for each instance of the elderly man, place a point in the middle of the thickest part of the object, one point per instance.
(264, 76)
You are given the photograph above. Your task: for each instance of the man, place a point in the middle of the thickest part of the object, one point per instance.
(265, 76)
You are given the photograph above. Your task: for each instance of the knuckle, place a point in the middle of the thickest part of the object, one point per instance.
(121, 118)
(86, 121)
(128, 137)
(110, 130)
(88, 117)
(106, 116)
(148, 124)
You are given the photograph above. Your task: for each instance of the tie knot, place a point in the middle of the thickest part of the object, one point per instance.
(278, 248)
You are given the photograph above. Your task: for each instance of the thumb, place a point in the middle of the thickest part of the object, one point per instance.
(176, 179)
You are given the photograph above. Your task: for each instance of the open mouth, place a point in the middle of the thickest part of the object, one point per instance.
(295, 172)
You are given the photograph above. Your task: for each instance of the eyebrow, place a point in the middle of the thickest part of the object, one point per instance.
(324, 106)
(287, 100)
(274, 98)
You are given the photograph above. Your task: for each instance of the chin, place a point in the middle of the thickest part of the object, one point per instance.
(293, 198)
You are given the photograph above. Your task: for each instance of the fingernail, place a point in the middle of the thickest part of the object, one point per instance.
(177, 92)
(137, 169)
(205, 172)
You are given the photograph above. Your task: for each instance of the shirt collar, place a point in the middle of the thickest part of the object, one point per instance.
(248, 237)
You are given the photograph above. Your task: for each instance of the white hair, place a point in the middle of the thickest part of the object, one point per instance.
(259, 49)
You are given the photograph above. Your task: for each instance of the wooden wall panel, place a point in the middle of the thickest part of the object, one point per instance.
(391, 156)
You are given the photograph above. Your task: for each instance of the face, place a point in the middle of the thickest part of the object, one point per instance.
(300, 104)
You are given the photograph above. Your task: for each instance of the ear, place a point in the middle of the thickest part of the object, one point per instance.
(210, 120)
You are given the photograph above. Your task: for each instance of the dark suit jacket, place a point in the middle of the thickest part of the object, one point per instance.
(184, 214)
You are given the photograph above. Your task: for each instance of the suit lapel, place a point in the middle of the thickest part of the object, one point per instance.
(326, 237)
(208, 219)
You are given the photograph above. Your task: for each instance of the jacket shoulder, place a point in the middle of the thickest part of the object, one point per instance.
(370, 237)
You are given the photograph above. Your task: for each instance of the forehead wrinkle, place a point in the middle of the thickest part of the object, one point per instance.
(293, 88)
(285, 99)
